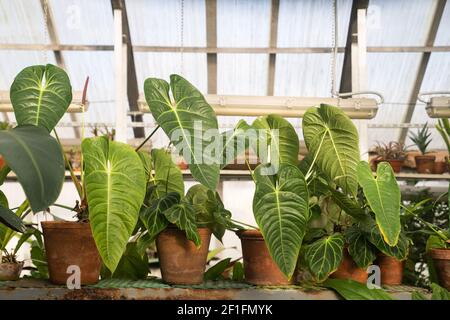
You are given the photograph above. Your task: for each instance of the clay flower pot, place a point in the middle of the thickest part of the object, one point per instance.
(391, 269)
(396, 164)
(424, 164)
(180, 260)
(441, 261)
(10, 271)
(440, 167)
(71, 243)
(259, 267)
(349, 270)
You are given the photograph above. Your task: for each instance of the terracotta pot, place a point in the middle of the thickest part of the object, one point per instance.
(396, 164)
(441, 261)
(391, 269)
(349, 270)
(180, 260)
(10, 271)
(71, 243)
(2, 162)
(259, 267)
(440, 167)
(424, 164)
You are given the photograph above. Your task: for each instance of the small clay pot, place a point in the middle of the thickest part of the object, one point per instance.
(440, 167)
(391, 269)
(349, 270)
(396, 164)
(424, 164)
(10, 271)
(180, 260)
(259, 267)
(71, 243)
(441, 261)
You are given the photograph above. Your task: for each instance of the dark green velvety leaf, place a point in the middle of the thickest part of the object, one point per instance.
(3, 200)
(181, 122)
(183, 216)
(359, 247)
(353, 290)
(40, 96)
(153, 217)
(238, 271)
(215, 272)
(37, 160)
(133, 265)
(349, 205)
(234, 143)
(324, 256)
(167, 177)
(11, 220)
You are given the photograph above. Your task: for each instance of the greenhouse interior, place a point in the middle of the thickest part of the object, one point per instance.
(224, 149)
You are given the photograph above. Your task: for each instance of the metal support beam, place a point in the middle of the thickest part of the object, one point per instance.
(211, 42)
(132, 83)
(273, 44)
(53, 36)
(434, 27)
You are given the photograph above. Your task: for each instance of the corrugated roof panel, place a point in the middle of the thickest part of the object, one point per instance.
(443, 35)
(22, 21)
(243, 23)
(309, 23)
(399, 23)
(83, 21)
(158, 23)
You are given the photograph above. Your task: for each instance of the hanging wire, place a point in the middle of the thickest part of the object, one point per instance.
(182, 38)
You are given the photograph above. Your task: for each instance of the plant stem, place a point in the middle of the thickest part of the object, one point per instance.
(148, 138)
(244, 224)
(250, 169)
(63, 206)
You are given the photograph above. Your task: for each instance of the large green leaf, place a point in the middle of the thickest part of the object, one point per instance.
(324, 256)
(439, 293)
(183, 216)
(115, 187)
(185, 122)
(332, 138)
(167, 176)
(359, 247)
(383, 196)
(353, 290)
(280, 206)
(349, 205)
(40, 96)
(234, 143)
(215, 272)
(11, 220)
(36, 158)
(153, 217)
(133, 265)
(280, 135)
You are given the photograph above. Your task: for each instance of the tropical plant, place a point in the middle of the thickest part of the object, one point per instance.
(422, 138)
(391, 151)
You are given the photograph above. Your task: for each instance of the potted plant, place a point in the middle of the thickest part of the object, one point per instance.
(182, 225)
(393, 152)
(424, 162)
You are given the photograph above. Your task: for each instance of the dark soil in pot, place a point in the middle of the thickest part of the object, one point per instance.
(180, 260)
(10, 271)
(441, 261)
(424, 164)
(391, 269)
(259, 267)
(71, 243)
(349, 270)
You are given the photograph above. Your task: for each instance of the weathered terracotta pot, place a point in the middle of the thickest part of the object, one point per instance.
(441, 261)
(349, 270)
(396, 164)
(259, 267)
(71, 243)
(10, 271)
(180, 260)
(440, 167)
(424, 164)
(391, 269)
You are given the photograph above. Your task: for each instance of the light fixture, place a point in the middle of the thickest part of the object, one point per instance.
(438, 106)
(290, 107)
(75, 106)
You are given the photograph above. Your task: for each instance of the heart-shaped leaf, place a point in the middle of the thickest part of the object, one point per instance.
(40, 96)
(359, 247)
(383, 196)
(115, 189)
(332, 138)
(36, 158)
(353, 290)
(234, 143)
(11, 220)
(324, 256)
(187, 122)
(167, 177)
(183, 216)
(280, 206)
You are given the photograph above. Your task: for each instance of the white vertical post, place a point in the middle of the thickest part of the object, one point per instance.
(120, 75)
(359, 76)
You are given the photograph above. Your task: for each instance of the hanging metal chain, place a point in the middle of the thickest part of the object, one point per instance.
(46, 35)
(334, 41)
(182, 38)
